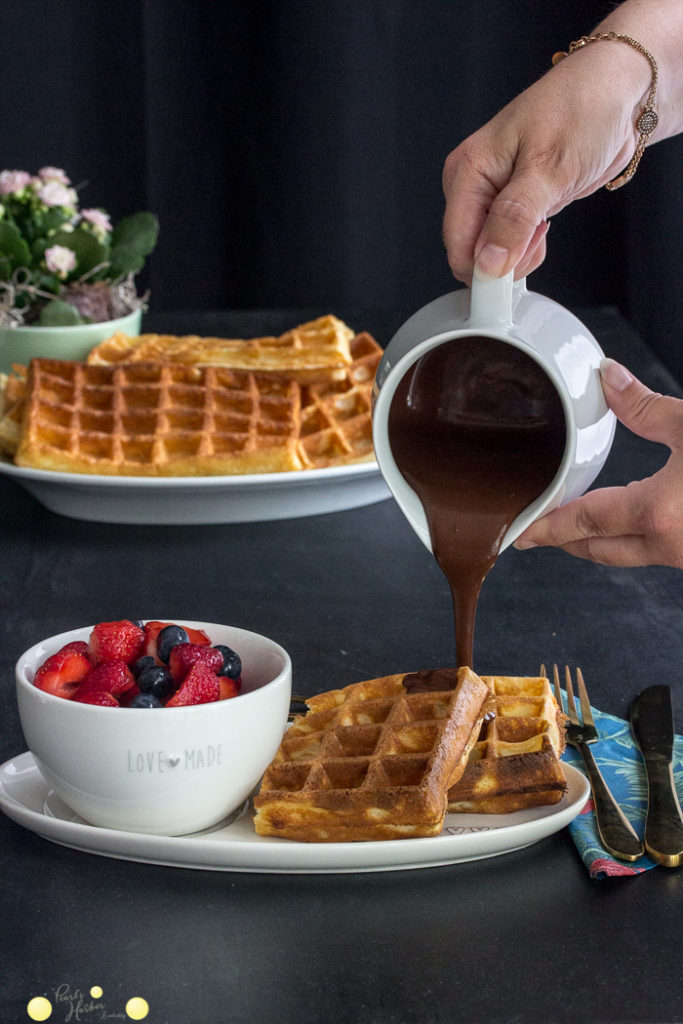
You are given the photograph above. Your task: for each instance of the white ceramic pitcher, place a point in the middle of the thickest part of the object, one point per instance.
(546, 331)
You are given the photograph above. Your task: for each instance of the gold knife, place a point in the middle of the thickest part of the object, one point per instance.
(653, 728)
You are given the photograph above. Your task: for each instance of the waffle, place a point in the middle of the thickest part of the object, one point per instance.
(314, 351)
(514, 763)
(336, 418)
(154, 419)
(371, 761)
(149, 419)
(12, 401)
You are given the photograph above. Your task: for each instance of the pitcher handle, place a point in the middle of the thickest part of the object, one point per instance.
(491, 300)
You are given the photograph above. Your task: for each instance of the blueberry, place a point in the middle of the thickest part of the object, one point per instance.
(168, 638)
(146, 661)
(156, 680)
(232, 663)
(145, 700)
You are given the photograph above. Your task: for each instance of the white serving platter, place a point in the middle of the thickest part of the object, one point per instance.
(207, 499)
(233, 845)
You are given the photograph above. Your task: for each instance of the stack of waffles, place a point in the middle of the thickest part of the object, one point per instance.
(376, 760)
(371, 761)
(167, 407)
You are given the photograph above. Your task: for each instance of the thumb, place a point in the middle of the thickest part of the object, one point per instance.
(646, 413)
(515, 221)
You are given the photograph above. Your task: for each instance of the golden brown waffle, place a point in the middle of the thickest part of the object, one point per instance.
(147, 419)
(314, 351)
(514, 764)
(336, 418)
(144, 419)
(151, 419)
(12, 400)
(371, 761)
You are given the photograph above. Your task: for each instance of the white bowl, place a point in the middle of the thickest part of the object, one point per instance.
(163, 771)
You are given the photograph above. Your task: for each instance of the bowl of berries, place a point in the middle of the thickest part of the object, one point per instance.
(160, 726)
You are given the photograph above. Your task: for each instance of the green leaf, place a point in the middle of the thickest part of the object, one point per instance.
(14, 251)
(139, 231)
(53, 218)
(39, 246)
(126, 259)
(59, 314)
(47, 282)
(5, 267)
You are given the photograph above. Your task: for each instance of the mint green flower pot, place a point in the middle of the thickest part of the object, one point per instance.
(21, 344)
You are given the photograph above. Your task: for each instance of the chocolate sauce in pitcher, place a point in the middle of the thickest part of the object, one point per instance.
(477, 429)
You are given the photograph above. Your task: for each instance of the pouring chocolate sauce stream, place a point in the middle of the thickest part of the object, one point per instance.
(477, 429)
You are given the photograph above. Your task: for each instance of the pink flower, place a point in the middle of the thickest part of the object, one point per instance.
(98, 218)
(54, 174)
(60, 260)
(53, 193)
(13, 181)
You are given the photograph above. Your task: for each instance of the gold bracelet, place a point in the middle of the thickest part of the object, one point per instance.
(646, 122)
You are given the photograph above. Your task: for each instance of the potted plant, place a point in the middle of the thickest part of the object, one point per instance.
(66, 273)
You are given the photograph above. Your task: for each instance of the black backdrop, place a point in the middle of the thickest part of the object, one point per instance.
(293, 149)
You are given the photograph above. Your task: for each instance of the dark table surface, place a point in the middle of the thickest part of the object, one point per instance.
(524, 937)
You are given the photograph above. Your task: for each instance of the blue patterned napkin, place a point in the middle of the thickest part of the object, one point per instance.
(623, 770)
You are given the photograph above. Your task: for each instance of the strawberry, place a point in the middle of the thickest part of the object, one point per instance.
(76, 646)
(228, 687)
(116, 641)
(154, 627)
(198, 636)
(112, 677)
(152, 630)
(101, 697)
(63, 672)
(184, 656)
(200, 686)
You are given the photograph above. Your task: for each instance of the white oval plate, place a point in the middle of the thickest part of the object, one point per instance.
(204, 499)
(234, 846)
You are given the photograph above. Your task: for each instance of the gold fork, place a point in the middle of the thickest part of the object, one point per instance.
(615, 830)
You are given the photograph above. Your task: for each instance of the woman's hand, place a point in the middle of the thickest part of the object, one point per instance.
(551, 145)
(563, 138)
(642, 523)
